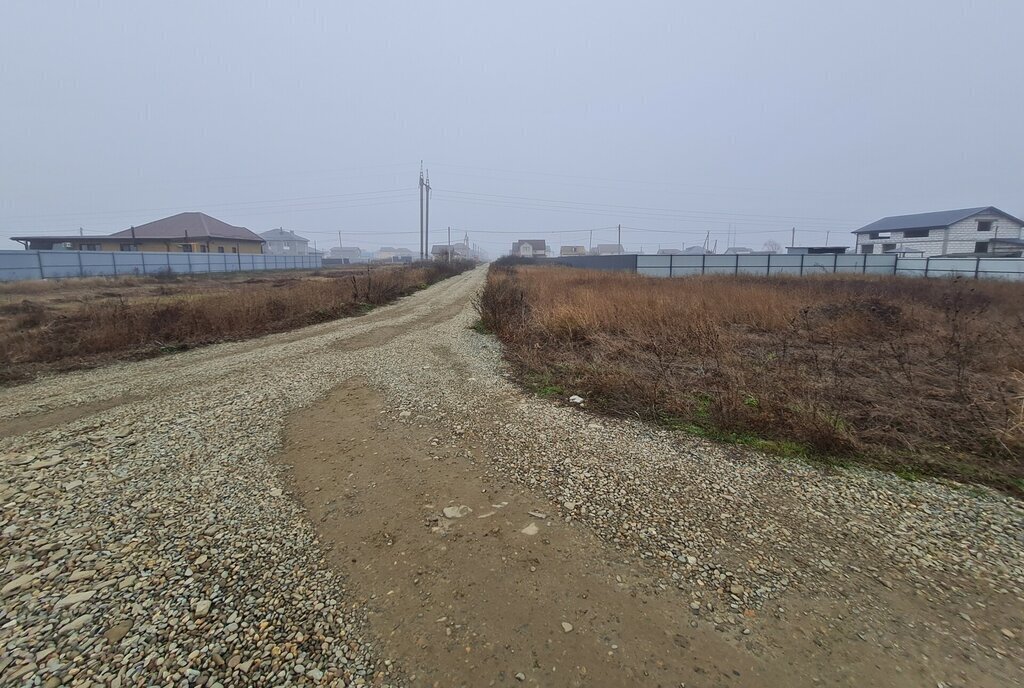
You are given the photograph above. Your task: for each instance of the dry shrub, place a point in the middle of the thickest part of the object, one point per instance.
(130, 324)
(910, 374)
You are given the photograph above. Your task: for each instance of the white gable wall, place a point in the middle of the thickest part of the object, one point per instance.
(960, 237)
(964, 235)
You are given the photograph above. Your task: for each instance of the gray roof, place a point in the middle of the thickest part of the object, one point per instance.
(282, 235)
(535, 243)
(942, 218)
(191, 225)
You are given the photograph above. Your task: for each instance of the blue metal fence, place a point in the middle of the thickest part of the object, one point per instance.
(681, 266)
(27, 265)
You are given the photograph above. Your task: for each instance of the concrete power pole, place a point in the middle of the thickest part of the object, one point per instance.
(426, 225)
(422, 255)
(620, 240)
(792, 237)
(449, 243)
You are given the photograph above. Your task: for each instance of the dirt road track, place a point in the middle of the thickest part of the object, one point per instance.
(673, 561)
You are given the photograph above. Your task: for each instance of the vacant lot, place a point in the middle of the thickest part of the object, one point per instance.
(65, 324)
(918, 376)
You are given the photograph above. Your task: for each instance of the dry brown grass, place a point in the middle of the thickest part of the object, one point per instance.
(919, 376)
(46, 326)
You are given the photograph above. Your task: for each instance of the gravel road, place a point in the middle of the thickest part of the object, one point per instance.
(153, 534)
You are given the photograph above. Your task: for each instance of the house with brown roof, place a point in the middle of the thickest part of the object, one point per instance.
(182, 233)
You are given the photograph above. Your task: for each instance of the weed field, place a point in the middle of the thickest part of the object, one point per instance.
(918, 376)
(52, 325)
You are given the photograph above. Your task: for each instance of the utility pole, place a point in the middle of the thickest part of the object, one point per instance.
(591, 241)
(792, 237)
(339, 241)
(426, 225)
(421, 211)
(620, 240)
(449, 243)
(827, 235)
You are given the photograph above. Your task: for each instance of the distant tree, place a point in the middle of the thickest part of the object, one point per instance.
(772, 245)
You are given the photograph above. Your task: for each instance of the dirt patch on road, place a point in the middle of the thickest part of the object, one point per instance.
(23, 424)
(475, 600)
(382, 335)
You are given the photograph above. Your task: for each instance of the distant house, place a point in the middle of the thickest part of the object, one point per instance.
(530, 248)
(390, 254)
(608, 250)
(573, 251)
(348, 254)
(456, 251)
(184, 232)
(967, 231)
(816, 250)
(738, 251)
(283, 242)
(670, 251)
(696, 251)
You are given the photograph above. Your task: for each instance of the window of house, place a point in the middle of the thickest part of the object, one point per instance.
(888, 247)
(867, 248)
(129, 247)
(878, 235)
(220, 249)
(202, 248)
(186, 248)
(90, 247)
(234, 249)
(915, 234)
(981, 247)
(984, 225)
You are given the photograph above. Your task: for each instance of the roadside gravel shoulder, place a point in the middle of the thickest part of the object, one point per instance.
(153, 542)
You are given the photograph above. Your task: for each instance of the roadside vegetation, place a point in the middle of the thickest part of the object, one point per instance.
(919, 376)
(54, 325)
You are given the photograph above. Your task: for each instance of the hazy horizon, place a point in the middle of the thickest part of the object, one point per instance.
(535, 120)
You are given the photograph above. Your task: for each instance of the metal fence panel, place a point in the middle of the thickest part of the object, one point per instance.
(1001, 268)
(881, 265)
(19, 265)
(785, 265)
(653, 261)
(852, 263)
(819, 264)
(23, 265)
(655, 272)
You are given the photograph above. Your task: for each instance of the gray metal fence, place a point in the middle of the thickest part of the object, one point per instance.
(681, 266)
(27, 265)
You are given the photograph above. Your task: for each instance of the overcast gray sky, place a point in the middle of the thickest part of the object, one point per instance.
(535, 119)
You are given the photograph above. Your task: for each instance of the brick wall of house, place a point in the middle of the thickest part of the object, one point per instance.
(962, 237)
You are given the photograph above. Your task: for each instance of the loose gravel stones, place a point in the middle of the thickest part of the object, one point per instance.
(154, 543)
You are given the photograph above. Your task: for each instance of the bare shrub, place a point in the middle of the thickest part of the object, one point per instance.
(903, 373)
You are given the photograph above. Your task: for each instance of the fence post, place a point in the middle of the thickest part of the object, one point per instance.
(768, 270)
(927, 263)
(81, 270)
(835, 263)
(801, 264)
(113, 260)
(703, 263)
(142, 255)
(977, 267)
(736, 271)
(189, 255)
(39, 259)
